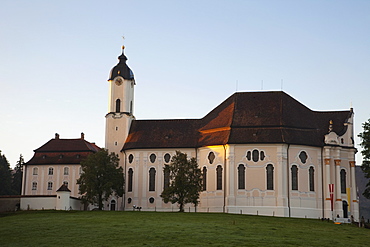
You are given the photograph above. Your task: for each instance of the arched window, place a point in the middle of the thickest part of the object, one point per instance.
(34, 185)
(118, 105)
(50, 185)
(66, 170)
(131, 107)
(166, 174)
(65, 183)
(270, 177)
(152, 179)
(219, 177)
(343, 181)
(311, 175)
(204, 181)
(294, 171)
(129, 180)
(35, 171)
(51, 170)
(241, 177)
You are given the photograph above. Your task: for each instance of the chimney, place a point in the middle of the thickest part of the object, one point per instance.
(82, 136)
(56, 136)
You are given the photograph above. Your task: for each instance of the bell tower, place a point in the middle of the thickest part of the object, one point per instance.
(120, 105)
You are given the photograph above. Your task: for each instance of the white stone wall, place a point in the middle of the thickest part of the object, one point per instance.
(58, 178)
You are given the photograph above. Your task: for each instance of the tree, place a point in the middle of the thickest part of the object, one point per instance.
(5, 176)
(365, 144)
(17, 176)
(185, 181)
(101, 177)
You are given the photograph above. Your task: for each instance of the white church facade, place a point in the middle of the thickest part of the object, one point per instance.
(260, 153)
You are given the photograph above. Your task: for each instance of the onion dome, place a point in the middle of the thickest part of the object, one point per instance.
(121, 69)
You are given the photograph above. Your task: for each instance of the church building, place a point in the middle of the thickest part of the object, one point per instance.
(261, 153)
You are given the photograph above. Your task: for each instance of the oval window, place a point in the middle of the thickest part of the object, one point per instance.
(167, 157)
(130, 158)
(211, 157)
(255, 155)
(249, 155)
(152, 158)
(303, 157)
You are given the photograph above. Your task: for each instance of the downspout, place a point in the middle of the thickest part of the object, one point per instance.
(224, 207)
(289, 212)
(24, 182)
(322, 182)
(124, 185)
(196, 159)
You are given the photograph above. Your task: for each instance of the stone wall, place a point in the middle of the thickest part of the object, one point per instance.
(9, 203)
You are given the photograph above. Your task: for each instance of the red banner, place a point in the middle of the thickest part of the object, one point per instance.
(331, 190)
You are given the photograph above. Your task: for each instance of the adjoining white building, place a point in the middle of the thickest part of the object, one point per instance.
(50, 177)
(260, 153)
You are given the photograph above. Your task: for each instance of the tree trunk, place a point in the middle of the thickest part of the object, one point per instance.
(181, 208)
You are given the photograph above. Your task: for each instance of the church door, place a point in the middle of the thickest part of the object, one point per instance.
(345, 209)
(113, 205)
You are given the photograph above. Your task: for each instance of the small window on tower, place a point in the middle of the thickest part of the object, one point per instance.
(118, 105)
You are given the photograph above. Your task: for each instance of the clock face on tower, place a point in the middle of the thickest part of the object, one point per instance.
(119, 81)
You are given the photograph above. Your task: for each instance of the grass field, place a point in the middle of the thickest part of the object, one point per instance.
(105, 228)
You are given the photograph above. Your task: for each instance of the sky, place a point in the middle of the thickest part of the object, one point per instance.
(187, 57)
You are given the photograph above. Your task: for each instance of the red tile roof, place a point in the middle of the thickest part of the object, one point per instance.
(64, 187)
(250, 117)
(63, 151)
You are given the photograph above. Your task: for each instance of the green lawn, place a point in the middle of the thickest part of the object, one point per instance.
(104, 228)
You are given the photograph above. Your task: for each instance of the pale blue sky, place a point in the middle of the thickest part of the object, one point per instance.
(187, 57)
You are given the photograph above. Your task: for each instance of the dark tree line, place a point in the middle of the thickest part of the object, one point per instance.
(365, 144)
(10, 182)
